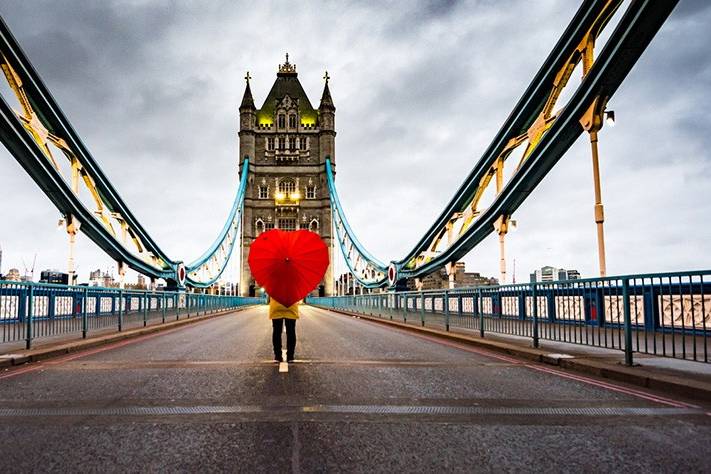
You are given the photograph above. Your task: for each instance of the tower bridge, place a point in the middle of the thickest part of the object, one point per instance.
(609, 371)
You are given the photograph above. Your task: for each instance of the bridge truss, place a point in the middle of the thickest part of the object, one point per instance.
(533, 138)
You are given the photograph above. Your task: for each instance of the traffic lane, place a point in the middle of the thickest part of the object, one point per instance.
(146, 447)
(243, 335)
(524, 447)
(473, 378)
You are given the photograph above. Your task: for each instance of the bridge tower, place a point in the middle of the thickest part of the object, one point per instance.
(287, 142)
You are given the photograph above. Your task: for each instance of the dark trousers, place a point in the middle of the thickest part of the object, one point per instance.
(290, 337)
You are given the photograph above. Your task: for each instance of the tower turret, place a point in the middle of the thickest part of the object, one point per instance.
(247, 121)
(327, 123)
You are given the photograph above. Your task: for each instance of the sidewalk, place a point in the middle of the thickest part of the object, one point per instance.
(682, 377)
(14, 353)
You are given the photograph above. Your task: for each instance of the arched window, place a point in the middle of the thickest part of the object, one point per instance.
(292, 121)
(282, 121)
(310, 192)
(282, 143)
(292, 143)
(287, 186)
(270, 143)
(313, 225)
(302, 143)
(259, 226)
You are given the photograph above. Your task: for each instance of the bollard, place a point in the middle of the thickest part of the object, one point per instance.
(146, 302)
(422, 308)
(162, 307)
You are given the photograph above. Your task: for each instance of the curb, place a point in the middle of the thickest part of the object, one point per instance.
(631, 375)
(35, 355)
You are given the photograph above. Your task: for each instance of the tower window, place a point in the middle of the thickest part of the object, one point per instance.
(282, 143)
(292, 121)
(263, 192)
(310, 192)
(259, 226)
(287, 224)
(287, 187)
(313, 225)
(292, 143)
(302, 143)
(270, 143)
(282, 121)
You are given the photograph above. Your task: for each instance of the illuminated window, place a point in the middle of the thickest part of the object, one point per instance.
(310, 192)
(270, 143)
(263, 192)
(287, 186)
(292, 121)
(287, 224)
(292, 143)
(282, 121)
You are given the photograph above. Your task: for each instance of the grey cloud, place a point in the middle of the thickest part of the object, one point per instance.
(420, 87)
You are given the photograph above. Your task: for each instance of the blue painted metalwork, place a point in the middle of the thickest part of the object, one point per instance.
(228, 237)
(667, 314)
(549, 134)
(359, 261)
(42, 122)
(29, 311)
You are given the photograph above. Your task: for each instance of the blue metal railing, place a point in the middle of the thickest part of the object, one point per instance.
(29, 311)
(666, 314)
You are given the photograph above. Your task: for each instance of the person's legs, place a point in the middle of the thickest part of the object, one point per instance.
(290, 338)
(277, 325)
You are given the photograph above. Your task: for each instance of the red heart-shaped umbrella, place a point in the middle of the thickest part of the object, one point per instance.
(288, 265)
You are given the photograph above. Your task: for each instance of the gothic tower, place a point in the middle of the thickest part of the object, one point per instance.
(287, 142)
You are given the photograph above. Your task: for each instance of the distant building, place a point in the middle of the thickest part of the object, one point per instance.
(462, 279)
(549, 273)
(54, 276)
(141, 282)
(95, 275)
(13, 275)
(105, 279)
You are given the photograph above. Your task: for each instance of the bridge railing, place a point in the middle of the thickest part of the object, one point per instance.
(30, 311)
(665, 314)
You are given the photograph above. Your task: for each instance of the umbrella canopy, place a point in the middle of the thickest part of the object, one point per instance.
(288, 265)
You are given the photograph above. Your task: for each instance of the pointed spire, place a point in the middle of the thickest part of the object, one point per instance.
(326, 100)
(247, 100)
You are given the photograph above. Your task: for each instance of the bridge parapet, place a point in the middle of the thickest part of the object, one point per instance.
(665, 314)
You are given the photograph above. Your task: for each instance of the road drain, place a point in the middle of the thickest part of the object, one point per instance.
(349, 409)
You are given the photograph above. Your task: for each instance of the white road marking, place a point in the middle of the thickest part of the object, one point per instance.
(283, 367)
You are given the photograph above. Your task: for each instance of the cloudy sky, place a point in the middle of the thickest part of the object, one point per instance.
(420, 90)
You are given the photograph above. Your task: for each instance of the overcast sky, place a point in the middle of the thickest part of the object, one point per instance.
(420, 89)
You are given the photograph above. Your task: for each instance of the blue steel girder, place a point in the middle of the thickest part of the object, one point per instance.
(207, 269)
(540, 133)
(369, 271)
(31, 133)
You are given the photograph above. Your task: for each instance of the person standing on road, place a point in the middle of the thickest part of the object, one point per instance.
(283, 316)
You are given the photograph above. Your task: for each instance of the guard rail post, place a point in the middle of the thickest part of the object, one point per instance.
(628, 321)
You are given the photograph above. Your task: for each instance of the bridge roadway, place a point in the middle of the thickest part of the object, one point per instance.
(360, 398)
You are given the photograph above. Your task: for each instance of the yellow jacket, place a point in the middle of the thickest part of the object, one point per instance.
(278, 310)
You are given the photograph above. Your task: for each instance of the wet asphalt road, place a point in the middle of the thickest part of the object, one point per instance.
(360, 398)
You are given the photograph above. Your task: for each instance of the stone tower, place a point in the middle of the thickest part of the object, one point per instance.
(287, 142)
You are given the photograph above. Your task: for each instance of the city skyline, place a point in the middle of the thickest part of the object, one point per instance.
(420, 113)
